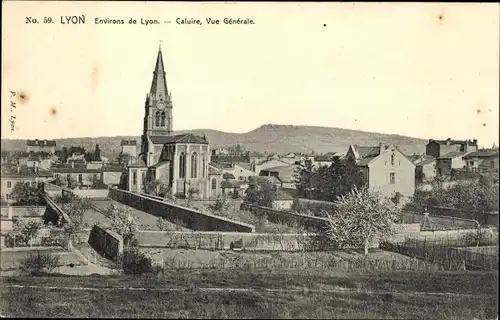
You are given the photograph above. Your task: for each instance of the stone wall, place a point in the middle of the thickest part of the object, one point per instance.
(316, 206)
(311, 223)
(224, 240)
(192, 219)
(439, 222)
(482, 218)
(52, 190)
(10, 212)
(106, 242)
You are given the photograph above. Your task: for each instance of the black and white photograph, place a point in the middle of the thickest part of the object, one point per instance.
(242, 160)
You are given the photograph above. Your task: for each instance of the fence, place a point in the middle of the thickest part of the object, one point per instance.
(437, 222)
(451, 258)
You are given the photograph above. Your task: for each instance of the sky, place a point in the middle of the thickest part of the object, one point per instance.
(421, 70)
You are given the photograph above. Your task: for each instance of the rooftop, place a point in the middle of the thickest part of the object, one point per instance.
(41, 143)
(453, 154)
(451, 141)
(180, 138)
(482, 154)
(128, 142)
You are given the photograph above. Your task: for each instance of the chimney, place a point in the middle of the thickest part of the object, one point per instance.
(381, 147)
(72, 164)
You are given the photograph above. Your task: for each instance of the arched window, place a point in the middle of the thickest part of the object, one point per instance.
(163, 119)
(134, 178)
(203, 169)
(194, 165)
(143, 178)
(157, 119)
(214, 184)
(182, 165)
(392, 158)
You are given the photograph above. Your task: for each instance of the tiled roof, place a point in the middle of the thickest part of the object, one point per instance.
(24, 172)
(228, 175)
(41, 143)
(482, 154)
(365, 161)
(452, 142)
(367, 151)
(160, 164)
(425, 161)
(180, 138)
(214, 169)
(323, 158)
(127, 142)
(215, 165)
(264, 179)
(286, 174)
(75, 170)
(230, 159)
(276, 169)
(244, 165)
(112, 168)
(453, 154)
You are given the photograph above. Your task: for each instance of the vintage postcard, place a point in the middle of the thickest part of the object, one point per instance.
(249, 160)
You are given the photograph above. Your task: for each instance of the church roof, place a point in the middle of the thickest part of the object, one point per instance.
(160, 164)
(180, 138)
(159, 84)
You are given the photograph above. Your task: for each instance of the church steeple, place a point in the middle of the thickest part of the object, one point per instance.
(159, 89)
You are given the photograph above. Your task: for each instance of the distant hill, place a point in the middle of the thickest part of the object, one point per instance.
(267, 138)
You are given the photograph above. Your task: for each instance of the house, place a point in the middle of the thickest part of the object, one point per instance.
(36, 145)
(128, 147)
(111, 174)
(425, 168)
(238, 171)
(323, 160)
(450, 161)
(439, 148)
(20, 174)
(215, 178)
(220, 151)
(285, 174)
(385, 169)
(260, 180)
(76, 174)
(235, 187)
(258, 167)
(482, 161)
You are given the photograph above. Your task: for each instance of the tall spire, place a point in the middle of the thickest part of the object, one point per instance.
(159, 84)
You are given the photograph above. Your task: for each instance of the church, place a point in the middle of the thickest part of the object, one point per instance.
(180, 161)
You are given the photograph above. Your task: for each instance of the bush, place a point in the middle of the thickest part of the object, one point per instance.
(135, 262)
(38, 264)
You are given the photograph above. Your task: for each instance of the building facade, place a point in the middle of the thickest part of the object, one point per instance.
(36, 145)
(438, 148)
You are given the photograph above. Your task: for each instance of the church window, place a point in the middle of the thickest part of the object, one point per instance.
(143, 178)
(203, 169)
(194, 165)
(134, 178)
(162, 119)
(157, 119)
(182, 165)
(214, 184)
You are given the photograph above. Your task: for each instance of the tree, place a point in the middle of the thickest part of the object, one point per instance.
(359, 217)
(191, 193)
(76, 149)
(97, 153)
(162, 224)
(64, 154)
(156, 188)
(220, 205)
(261, 195)
(75, 207)
(328, 182)
(123, 223)
(26, 230)
(26, 194)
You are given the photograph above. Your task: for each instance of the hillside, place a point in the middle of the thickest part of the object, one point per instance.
(267, 138)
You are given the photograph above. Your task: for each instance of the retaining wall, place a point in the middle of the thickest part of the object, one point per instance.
(439, 222)
(10, 212)
(311, 223)
(192, 219)
(484, 219)
(106, 242)
(316, 206)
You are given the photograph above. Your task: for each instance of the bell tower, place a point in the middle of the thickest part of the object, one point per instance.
(158, 107)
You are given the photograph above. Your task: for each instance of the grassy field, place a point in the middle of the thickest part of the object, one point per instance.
(464, 295)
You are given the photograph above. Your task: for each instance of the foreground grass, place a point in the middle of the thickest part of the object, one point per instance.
(397, 296)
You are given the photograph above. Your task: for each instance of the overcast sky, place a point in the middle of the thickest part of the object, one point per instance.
(422, 70)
